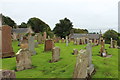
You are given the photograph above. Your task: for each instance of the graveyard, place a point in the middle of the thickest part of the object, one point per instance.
(64, 68)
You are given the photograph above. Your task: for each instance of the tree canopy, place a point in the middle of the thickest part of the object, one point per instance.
(8, 21)
(74, 30)
(63, 28)
(23, 25)
(38, 25)
(110, 34)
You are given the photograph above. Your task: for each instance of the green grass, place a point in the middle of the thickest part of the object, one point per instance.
(105, 67)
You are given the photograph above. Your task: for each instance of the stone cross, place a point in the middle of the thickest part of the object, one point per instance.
(55, 54)
(31, 45)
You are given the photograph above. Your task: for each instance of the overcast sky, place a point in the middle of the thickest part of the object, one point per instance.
(93, 15)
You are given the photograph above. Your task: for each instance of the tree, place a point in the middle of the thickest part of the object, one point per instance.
(63, 28)
(74, 30)
(38, 25)
(23, 25)
(8, 21)
(110, 34)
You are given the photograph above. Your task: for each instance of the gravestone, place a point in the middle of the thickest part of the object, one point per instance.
(55, 54)
(62, 40)
(7, 75)
(23, 60)
(80, 70)
(75, 51)
(66, 40)
(31, 45)
(44, 35)
(102, 49)
(90, 65)
(39, 38)
(111, 43)
(49, 44)
(6, 42)
(24, 43)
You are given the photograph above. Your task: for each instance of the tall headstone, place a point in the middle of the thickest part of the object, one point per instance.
(6, 45)
(80, 70)
(49, 44)
(90, 65)
(31, 45)
(66, 40)
(102, 49)
(111, 43)
(44, 35)
(7, 75)
(55, 54)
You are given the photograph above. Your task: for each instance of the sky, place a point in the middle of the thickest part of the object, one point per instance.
(94, 15)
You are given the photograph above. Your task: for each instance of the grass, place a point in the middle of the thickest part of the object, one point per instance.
(105, 67)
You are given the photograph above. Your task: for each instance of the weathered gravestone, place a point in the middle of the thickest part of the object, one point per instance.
(49, 44)
(75, 51)
(44, 35)
(23, 60)
(102, 49)
(31, 45)
(7, 75)
(90, 68)
(6, 42)
(23, 57)
(84, 66)
(80, 70)
(66, 40)
(39, 38)
(55, 54)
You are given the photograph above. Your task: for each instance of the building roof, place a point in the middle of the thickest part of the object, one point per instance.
(90, 36)
(22, 30)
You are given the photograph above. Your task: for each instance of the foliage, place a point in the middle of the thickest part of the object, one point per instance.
(110, 34)
(63, 28)
(74, 30)
(8, 21)
(38, 25)
(23, 25)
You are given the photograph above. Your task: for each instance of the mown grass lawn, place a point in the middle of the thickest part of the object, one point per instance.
(105, 67)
